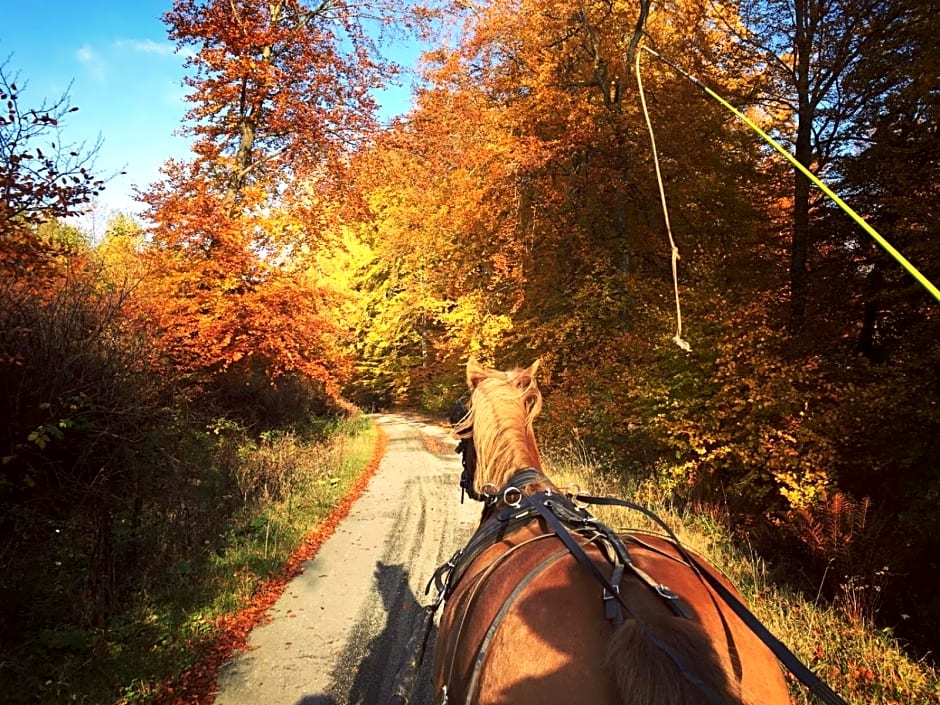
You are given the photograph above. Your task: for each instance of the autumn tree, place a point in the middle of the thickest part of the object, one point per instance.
(543, 224)
(43, 297)
(579, 206)
(810, 48)
(281, 89)
(281, 92)
(437, 284)
(41, 177)
(228, 312)
(546, 186)
(892, 175)
(887, 418)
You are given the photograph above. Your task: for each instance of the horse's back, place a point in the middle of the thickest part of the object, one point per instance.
(526, 624)
(520, 628)
(753, 672)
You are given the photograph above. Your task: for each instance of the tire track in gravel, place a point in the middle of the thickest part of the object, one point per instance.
(338, 633)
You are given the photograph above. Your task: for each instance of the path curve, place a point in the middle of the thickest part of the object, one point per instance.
(337, 634)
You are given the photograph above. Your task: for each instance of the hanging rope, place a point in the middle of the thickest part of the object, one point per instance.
(677, 338)
(911, 269)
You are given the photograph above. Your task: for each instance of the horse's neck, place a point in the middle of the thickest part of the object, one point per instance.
(522, 453)
(521, 461)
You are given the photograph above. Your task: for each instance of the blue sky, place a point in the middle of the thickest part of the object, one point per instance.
(126, 81)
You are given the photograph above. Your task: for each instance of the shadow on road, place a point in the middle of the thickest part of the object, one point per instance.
(367, 669)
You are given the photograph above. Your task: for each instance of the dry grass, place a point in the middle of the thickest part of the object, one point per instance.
(287, 486)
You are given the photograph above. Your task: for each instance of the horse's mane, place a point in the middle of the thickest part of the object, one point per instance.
(503, 406)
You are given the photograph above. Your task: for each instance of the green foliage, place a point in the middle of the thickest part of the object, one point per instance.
(438, 398)
(221, 520)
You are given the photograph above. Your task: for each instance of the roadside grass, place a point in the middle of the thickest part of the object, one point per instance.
(173, 626)
(865, 665)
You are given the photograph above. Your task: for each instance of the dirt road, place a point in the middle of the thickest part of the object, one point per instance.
(337, 634)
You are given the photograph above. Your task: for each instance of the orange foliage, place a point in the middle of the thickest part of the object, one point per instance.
(220, 293)
(281, 88)
(281, 91)
(40, 180)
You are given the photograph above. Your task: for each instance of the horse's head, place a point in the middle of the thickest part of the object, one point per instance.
(503, 406)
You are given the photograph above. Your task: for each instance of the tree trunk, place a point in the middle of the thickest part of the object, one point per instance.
(874, 283)
(799, 243)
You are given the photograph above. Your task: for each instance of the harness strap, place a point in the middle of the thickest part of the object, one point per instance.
(633, 538)
(676, 603)
(478, 582)
(543, 505)
(496, 524)
(447, 576)
(793, 664)
(408, 673)
(611, 608)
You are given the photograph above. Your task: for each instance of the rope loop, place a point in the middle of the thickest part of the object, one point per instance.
(677, 338)
(876, 236)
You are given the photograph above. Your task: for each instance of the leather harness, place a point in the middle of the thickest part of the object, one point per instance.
(566, 521)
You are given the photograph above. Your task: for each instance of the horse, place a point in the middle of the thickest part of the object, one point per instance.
(532, 617)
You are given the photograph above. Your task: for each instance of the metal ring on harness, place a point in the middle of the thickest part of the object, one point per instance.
(515, 492)
(573, 496)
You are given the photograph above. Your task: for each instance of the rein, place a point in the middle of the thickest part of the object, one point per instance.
(808, 678)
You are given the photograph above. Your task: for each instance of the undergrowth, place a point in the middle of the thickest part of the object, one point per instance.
(864, 664)
(288, 484)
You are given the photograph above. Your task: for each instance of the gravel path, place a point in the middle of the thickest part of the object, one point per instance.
(337, 634)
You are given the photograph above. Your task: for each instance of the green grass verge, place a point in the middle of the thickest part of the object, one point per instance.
(169, 629)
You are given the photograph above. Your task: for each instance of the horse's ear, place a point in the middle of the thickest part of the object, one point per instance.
(476, 373)
(526, 377)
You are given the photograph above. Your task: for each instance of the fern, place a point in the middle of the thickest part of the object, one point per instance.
(845, 535)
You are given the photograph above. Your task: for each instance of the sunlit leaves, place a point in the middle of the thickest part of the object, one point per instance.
(281, 93)
(222, 294)
(281, 89)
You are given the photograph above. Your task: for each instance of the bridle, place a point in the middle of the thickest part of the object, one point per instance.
(468, 454)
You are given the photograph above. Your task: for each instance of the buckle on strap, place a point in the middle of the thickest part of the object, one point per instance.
(676, 603)
(664, 592)
(441, 577)
(611, 599)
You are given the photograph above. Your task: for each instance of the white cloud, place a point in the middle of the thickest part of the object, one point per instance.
(85, 54)
(149, 46)
(146, 46)
(96, 67)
